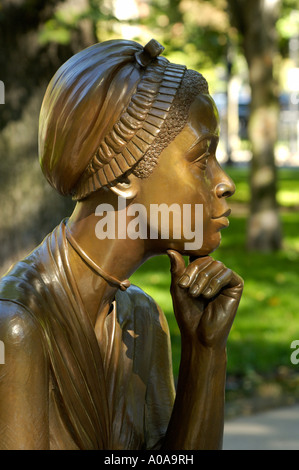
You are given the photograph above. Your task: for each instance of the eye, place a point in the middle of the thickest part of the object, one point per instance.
(202, 161)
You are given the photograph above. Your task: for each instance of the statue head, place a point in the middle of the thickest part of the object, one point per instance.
(113, 109)
(109, 110)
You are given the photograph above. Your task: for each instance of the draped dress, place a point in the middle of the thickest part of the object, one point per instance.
(116, 392)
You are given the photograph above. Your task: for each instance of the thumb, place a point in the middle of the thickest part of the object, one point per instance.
(177, 263)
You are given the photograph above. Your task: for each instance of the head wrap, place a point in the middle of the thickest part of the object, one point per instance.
(102, 111)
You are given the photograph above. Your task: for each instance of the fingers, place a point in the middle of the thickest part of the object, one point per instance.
(218, 282)
(206, 278)
(203, 276)
(177, 263)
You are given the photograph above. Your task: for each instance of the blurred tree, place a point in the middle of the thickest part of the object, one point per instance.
(193, 31)
(36, 37)
(256, 23)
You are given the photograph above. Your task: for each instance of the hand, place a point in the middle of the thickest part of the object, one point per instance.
(205, 297)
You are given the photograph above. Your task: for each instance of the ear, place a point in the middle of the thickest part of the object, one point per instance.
(127, 188)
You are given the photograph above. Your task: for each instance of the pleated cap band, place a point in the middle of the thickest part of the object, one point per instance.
(135, 131)
(121, 114)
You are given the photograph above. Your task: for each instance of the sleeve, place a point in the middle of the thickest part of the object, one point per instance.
(160, 390)
(23, 381)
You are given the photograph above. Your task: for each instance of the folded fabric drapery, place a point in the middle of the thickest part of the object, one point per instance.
(108, 393)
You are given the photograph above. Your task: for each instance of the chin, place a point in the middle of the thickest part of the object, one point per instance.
(204, 251)
(208, 247)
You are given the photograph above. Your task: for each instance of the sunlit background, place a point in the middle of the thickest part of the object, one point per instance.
(249, 53)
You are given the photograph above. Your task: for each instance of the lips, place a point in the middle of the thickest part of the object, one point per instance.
(222, 221)
(225, 214)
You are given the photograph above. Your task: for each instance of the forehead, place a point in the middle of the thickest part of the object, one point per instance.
(203, 116)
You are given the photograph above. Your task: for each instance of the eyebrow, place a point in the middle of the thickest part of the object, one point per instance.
(204, 137)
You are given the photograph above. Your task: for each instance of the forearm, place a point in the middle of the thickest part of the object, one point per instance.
(198, 413)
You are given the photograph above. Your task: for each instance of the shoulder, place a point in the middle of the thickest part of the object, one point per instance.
(143, 305)
(18, 329)
(137, 298)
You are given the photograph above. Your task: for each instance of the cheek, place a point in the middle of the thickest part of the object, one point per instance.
(191, 187)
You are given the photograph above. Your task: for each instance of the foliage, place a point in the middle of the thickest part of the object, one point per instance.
(188, 27)
(67, 18)
(287, 25)
(195, 32)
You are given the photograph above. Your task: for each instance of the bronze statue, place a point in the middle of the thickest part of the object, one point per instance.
(87, 356)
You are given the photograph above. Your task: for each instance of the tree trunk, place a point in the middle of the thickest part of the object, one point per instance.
(30, 208)
(255, 20)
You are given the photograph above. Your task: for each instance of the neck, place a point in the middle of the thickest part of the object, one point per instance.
(100, 267)
(122, 285)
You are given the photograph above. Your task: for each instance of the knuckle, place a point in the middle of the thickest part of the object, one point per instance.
(220, 264)
(205, 275)
(192, 269)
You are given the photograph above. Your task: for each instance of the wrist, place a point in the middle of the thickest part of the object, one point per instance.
(193, 343)
(195, 354)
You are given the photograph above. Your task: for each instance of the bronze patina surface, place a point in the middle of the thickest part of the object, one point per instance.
(87, 355)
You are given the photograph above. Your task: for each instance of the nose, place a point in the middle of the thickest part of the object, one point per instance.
(225, 188)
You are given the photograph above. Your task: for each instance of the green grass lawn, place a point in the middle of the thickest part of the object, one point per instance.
(268, 317)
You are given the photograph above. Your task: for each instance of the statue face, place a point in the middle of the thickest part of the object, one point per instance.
(188, 174)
